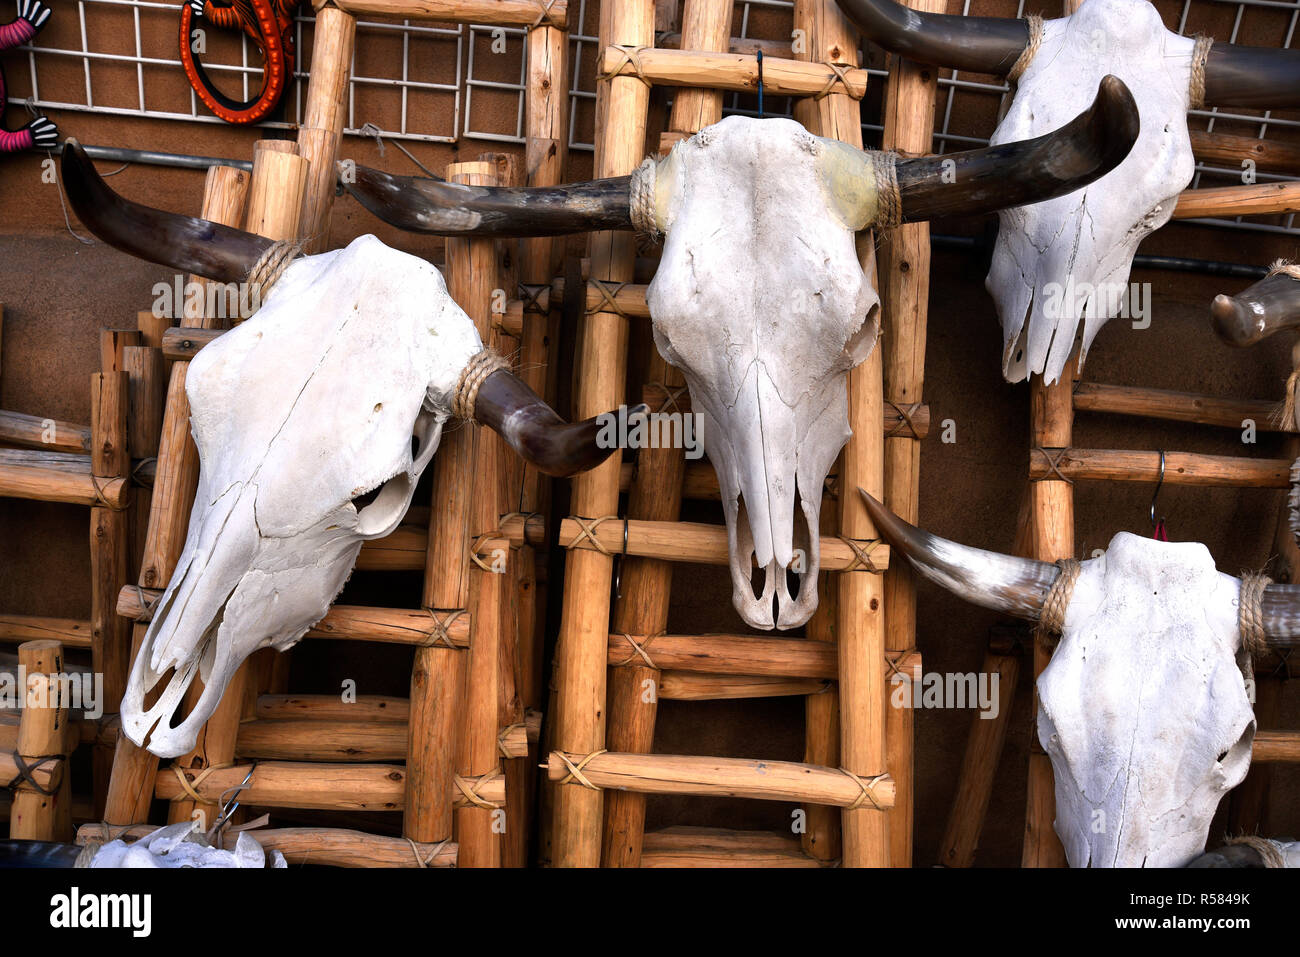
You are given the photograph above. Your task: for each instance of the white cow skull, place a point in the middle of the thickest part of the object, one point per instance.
(1144, 709)
(313, 422)
(1067, 259)
(765, 339)
(760, 297)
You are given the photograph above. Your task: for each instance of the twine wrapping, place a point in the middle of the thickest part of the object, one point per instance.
(588, 528)
(610, 290)
(889, 204)
(1283, 266)
(630, 56)
(1268, 850)
(25, 770)
(638, 650)
(270, 266)
(1250, 613)
(543, 13)
(838, 77)
(101, 500)
(469, 787)
(1286, 416)
(1035, 24)
(575, 770)
(641, 201)
(671, 395)
(1052, 619)
(475, 557)
(191, 787)
(1196, 87)
(505, 733)
(423, 862)
(868, 792)
(905, 426)
(148, 605)
(1053, 457)
(439, 633)
(481, 365)
(862, 556)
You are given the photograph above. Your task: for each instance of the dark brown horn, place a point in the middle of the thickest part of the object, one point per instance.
(1029, 171)
(979, 44)
(533, 429)
(1017, 586)
(1269, 306)
(426, 205)
(184, 243)
(1280, 608)
(1257, 77)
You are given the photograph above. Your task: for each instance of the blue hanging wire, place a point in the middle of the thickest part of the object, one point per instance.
(760, 83)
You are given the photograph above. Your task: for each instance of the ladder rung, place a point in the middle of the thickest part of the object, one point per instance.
(1180, 406)
(720, 777)
(723, 847)
(46, 434)
(697, 543)
(57, 477)
(327, 846)
(1276, 747)
(691, 686)
(1181, 468)
(71, 631)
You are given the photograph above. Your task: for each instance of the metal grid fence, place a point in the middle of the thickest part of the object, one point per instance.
(485, 59)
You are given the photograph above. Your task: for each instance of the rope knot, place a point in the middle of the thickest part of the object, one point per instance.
(641, 200)
(1052, 620)
(481, 365)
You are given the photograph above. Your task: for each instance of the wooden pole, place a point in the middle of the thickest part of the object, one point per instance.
(1052, 509)
(109, 540)
(35, 814)
(905, 304)
(656, 495)
(131, 786)
(321, 134)
(621, 104)
(860, 622)
(274, 207)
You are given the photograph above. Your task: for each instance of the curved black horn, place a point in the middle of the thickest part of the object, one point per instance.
(1028, 171)
(1017, 586)
(532, 428)
(1269, 306)
(427, 205)
(979, 44)
(1258, 77)
(185, 243)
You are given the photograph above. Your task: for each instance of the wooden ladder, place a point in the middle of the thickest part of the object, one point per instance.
(844, 662)
(462, 732)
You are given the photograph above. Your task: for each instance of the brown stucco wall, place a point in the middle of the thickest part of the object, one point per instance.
(57, 292)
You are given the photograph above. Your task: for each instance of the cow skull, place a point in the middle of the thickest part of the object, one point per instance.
(760, 297)
(313, 422)
(1143, 709)
(1066, 260)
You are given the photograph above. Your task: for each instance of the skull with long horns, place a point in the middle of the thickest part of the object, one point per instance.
(1144, 709)
(760, 297)
(313, 421)
(1066, 261)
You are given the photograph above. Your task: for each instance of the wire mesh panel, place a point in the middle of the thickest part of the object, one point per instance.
(120, 57)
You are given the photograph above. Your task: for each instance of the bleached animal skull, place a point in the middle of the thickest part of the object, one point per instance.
(765, 340)
(760, 298)
(313, 421)
(1066, 260)
(1144, 709)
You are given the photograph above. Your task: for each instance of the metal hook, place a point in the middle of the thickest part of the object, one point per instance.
(1159, 482)
(618, 572)
(226, 811)
(759, 54)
